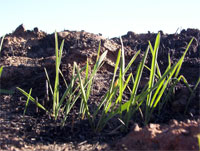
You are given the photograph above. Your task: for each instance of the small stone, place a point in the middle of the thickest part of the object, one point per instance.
(137, 128)
(174, 122)
(36, 30)
(154, 126)
(188, 121)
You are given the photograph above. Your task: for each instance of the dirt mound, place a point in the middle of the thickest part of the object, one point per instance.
(24, 55)
(169, 42)
(175, 136)
(25, 48)
(174, 44)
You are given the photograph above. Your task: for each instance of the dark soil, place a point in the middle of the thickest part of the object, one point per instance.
(25, 54)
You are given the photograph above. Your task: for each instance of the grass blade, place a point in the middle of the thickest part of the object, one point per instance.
(68, 90)
(153, 66)
(56, 85)
(47, 76)
(182, 58)
(63, 78)
(1, 43)
(132, 99)
(32, 99)
(152, 72)
(138, 78)
(121, 74)
(1, 70)
(131, 62)
(97, 65)
(115, 70)
(98, 53)
(83, 94)
(27, 101)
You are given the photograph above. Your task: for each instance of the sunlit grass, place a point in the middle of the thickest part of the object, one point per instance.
(154, 95)
(198, 138)
(1, 68)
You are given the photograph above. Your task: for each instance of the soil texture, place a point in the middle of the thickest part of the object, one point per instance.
(24, 55)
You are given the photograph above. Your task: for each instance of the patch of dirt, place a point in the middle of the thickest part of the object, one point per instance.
(174, 136)
(24, 55)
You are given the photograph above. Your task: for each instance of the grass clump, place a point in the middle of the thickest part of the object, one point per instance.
(154, 95)
(166, 82)
(71, 94)
(111, 103)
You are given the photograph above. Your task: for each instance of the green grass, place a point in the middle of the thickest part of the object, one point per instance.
(155, 94)
(198, 138)
(172, 78)
(1, 68)
(65, 103)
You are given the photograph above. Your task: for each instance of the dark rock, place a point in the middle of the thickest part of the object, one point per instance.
(19, 31)
(131, 34)
(36, 30)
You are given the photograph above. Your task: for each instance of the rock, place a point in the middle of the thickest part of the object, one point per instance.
(36, 30)
(19, 31)
(131, 34)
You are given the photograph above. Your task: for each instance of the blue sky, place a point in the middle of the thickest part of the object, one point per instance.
(109, 17)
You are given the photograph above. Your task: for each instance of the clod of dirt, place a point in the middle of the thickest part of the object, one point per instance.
(19, 30)
(175, 136)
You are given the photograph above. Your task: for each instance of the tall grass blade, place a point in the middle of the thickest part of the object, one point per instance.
(48, 80)
(153, 66)
(131, 62)
(182, 58)
(132, 100)
(58, 62)
(83, 95)
(122, 57)
(137, 79)
(82, 110)
(115, 70)
(97, 65)
(56, 85)
(98, 52)
(69, 91)
(152, 72)
(121, 75)
(112, 86)
(63, 78)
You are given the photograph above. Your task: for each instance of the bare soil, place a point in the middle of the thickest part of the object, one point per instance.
(24, 55)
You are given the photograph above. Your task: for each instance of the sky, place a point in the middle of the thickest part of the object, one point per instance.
(111, 18)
